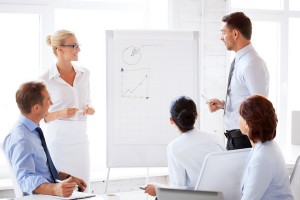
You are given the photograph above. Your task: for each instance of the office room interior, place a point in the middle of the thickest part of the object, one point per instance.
(25, 55)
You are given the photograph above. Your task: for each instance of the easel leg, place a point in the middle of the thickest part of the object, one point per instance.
(106, 183)
(147, 177)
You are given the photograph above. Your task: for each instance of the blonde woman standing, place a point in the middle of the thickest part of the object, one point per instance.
(66, 123)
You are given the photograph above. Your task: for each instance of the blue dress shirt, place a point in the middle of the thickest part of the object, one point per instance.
(266, 175)
(26, 154)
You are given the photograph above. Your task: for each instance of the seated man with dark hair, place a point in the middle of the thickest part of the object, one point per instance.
(27, 151)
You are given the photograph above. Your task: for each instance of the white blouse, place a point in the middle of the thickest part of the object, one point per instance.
(186, 155)
(64, 95)
(266, 175)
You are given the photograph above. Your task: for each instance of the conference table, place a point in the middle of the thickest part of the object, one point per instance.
(136, 195)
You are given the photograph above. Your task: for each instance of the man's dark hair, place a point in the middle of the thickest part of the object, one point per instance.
(28, 95)
(239, 21)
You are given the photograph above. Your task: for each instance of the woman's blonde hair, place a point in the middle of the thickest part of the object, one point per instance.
(58, 38)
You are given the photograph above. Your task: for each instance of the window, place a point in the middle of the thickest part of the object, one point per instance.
(294, 5)
(257, 4)
(266, 34)
(294, 70)
(20, 50)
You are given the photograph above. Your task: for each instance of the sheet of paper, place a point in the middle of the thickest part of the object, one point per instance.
(75, 195)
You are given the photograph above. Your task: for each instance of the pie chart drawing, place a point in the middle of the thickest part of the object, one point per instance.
(131, 55)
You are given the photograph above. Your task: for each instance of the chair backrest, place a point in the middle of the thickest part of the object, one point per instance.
(180, 194)
(295, 179)
(17, 189)
(223, 171)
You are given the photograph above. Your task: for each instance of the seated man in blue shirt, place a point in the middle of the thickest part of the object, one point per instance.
(27, 151)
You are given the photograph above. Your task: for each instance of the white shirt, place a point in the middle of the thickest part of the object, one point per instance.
(266, 176)
(186, 155)
(64, 95)
(250, 76)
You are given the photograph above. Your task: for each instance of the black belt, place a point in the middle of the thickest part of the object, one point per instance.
(233, 133)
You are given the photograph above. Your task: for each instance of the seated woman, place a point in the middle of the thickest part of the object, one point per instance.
(187, 152)
(265, 176)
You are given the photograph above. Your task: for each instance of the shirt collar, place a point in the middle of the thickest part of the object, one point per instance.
(28, 123)
(243, 51)
(190, 131)
(258, 145)
(53, 71)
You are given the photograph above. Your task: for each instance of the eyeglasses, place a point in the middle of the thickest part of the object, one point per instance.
(74, 46)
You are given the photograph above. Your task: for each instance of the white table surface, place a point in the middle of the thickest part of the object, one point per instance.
(138, 195)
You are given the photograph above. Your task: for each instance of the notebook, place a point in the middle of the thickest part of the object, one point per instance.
(179, 194)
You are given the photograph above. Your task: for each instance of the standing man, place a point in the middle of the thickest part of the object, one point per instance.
(248, 75)
(27, 151)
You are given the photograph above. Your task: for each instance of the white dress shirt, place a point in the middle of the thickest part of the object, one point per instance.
(64, 95)
(250, 76)
(266, 176)
(186, 155)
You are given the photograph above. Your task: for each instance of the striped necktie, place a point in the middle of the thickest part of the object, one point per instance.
(229, 82)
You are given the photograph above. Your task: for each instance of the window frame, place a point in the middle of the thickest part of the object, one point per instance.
(27, 9)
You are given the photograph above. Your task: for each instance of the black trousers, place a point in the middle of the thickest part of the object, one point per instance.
(237, 140)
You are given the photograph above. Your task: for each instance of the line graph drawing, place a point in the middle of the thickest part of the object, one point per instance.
(135, 83)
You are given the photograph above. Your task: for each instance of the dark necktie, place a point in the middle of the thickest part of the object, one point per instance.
(229, 81)
(52, 168)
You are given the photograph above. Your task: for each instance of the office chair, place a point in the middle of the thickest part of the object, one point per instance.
(17, 189)
(295, 179)
(179, 194)
(223, 171)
